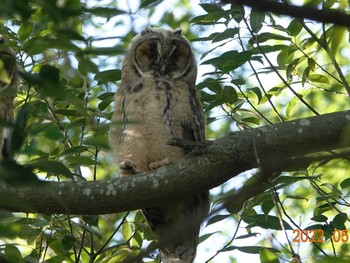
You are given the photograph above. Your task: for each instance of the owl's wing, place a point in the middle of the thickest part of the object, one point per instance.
(195, 130)
(177, 224)
(8, 79)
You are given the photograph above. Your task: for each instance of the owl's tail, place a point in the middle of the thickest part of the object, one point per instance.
(176, 226)
(185, 252)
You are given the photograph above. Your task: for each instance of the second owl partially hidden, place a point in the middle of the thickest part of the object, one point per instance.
(157, 101)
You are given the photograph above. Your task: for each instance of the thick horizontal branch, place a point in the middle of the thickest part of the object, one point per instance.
(218, 162)
(325, 16)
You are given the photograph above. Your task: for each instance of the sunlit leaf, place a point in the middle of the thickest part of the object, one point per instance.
(25, 30)
(319, 78)
(338, 38)
(267, 256)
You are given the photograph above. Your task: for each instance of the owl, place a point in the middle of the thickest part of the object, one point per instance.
(8, 81)
(155, 102)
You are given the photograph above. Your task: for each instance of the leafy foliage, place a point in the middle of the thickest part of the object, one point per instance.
(256, 69)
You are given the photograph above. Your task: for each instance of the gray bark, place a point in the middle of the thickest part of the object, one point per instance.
(205, 168)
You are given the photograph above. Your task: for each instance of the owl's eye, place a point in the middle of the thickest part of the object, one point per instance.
(151, 55)
(174, 57)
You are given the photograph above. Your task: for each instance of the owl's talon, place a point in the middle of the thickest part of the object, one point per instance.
(128, 167)
(160, 163)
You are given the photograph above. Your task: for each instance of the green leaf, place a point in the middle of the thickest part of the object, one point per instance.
(108, 76)
(267, 222)
(228, 33)
(91, 220)
(319, 78)
(256, 19)
(263, 37)
(337, 39)
(68, 242)
(267, 256)
(210, 8)
(216, 218)
(91, 229)
(106, 95)
(99, 141)
(86, 65)
(237, 12)
(267, 206)
(74, 150)
(56, 259)
(127, 230)
(247, 236)
(210, 18)
(345, 183)
(204, 237)
(35, 45)
(149, 3)
(245, 249)
(75, 161)
(257, 92)
(105, 103)
(12, 253)
(339, 220)
(105, 11)
(25, 30)
(49, 130)
(229, 94)
(230, 60)
(51, 167)
(267, 48)
(294, 27)
(323, 208)
(319, 218)
(252, 120)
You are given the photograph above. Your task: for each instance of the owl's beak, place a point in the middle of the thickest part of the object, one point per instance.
(163, 67)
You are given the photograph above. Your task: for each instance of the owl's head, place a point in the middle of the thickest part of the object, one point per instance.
(161, 53)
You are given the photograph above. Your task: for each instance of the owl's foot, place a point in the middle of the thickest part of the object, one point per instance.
(128, 167)
(160, 163)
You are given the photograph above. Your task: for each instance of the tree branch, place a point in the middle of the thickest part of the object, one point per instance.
(216, 164)
(325, 16)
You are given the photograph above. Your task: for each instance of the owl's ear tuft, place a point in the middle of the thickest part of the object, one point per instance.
(145, 31)
(178, 31)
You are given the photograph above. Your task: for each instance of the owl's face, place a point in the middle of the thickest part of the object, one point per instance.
(161, 53)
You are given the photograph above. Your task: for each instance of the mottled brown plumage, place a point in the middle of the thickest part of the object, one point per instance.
(8, 81)
(157, 101)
